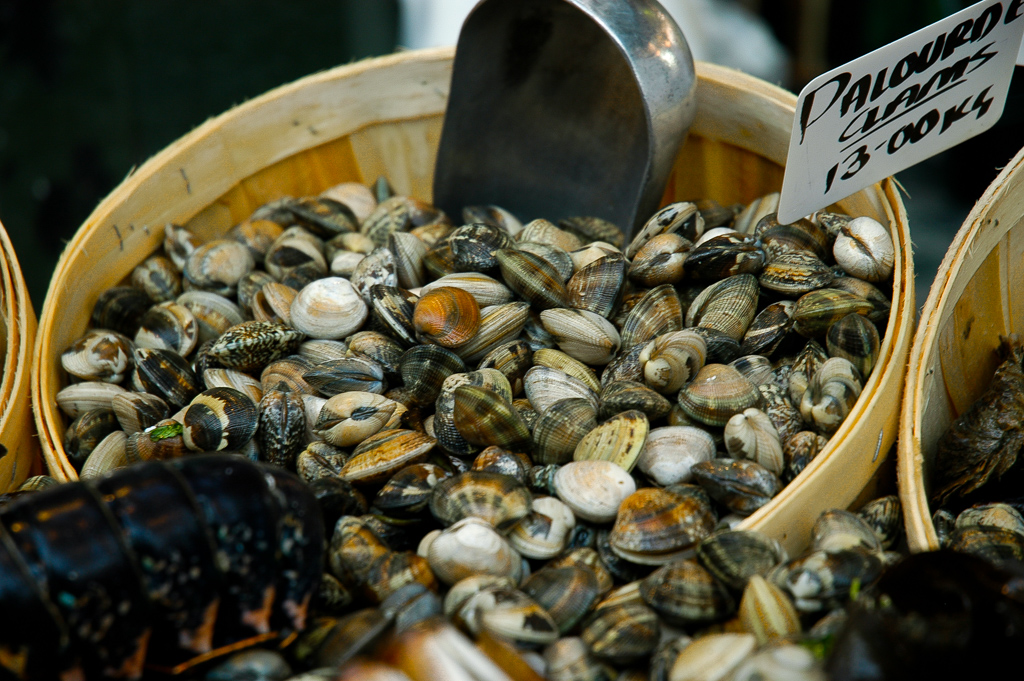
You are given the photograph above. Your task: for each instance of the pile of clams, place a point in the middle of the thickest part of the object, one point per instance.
(491, 399)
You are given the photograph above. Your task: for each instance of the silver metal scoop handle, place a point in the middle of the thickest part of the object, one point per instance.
(563, 108)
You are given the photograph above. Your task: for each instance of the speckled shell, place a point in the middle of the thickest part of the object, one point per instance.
(252, 345)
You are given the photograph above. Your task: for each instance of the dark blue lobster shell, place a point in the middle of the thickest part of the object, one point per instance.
(154, 564)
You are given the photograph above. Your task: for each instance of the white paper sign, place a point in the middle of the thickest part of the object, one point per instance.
(900, 104)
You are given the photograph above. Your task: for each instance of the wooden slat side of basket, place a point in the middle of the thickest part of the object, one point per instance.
(977, 294)
(17, 428)
(734, 157)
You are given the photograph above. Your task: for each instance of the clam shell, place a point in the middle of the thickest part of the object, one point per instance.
(799, 450)
(838, 530)
(273, 303)
(727, 306)
(590, 229)
(108, 455)
(660, 261)
(560, 428)
(686, 594)
(672, 359)
(380, 455)
(513, 359)
(717, 393)
(498, 325)
(328, 308)
(681, 217)
(816, 311)
(120, 309)
(622, 634)
(392, 310)
(179, 244)
(474, 247)
(472, 547)
(213, 313)
(733, 556)
(831, 394)
(864, 249)
(409, 251)
(545, 531)
(657, 312)
(344, 375)
(795, 273)
(137, 411)
(669, 453)
(594, 490)
(581, 334)
(355, 195)
(556, 359)
(619, 440)
(168, 326)
(350, 418)
(252, 345)
(715, 656)
(165, 374)
(855, 337)
(654, 524)
(486, 290)
(497, 499)
(99, 355)
(447, 316)
(740, 485)
(545, 232)
(598, 286)
(621, 396)
(751, 435)
(567, 593)
(217, 266)
(485, 418)
(768, 329)
(424, 369)
(158, 277)
(281, 432)
(559, 259)
(532, 278)
(448, 436)
(725, 256)
(885, 516)
(287, 374)
(219, 419)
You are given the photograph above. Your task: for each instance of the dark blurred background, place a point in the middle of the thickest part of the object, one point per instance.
(90, 89)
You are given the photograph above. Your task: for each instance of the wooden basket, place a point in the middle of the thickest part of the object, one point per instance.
(17, 334)
(383, 117)
(977, 295)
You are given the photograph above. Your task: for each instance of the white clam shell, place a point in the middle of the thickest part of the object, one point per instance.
(671, 451)
(545, 386)
(864, 249)
(328, 308)
(582, 334)
(543, 540)
(472, 547)
(594, 490)
(751, 435)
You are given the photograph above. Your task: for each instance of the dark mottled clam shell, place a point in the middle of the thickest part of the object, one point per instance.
(768, 329)
(158, 277)
(165, 374)
(424, 369)
(87, 431)
(120, 309)
(407, 493)
(252, 345)
(567, 593)
(560, 428)
(623, 633)
(855, 337)
(474, 247)
(392, 310)
(733, 556)
(740, 485)
(281, 430)
(590, 229)
(724, 256)
(620, 396)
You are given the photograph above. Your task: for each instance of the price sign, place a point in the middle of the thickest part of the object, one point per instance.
(900, 104)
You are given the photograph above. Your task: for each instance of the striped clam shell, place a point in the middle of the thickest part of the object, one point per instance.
(727, 306)
(532, 278)
(654, 524)
(717, 393)
(219, 419)
(498, 499)
(656, 313)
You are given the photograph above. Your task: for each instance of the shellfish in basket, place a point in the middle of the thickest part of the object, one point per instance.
(156, 565)
(987, 438)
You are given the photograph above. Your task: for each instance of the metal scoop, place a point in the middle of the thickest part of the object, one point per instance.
(562, 108)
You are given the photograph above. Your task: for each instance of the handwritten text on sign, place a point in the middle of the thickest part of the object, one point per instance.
(899, 105)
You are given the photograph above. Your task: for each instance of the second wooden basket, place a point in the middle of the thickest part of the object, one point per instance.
(383, 117)
(977, 295)
(20, 456)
